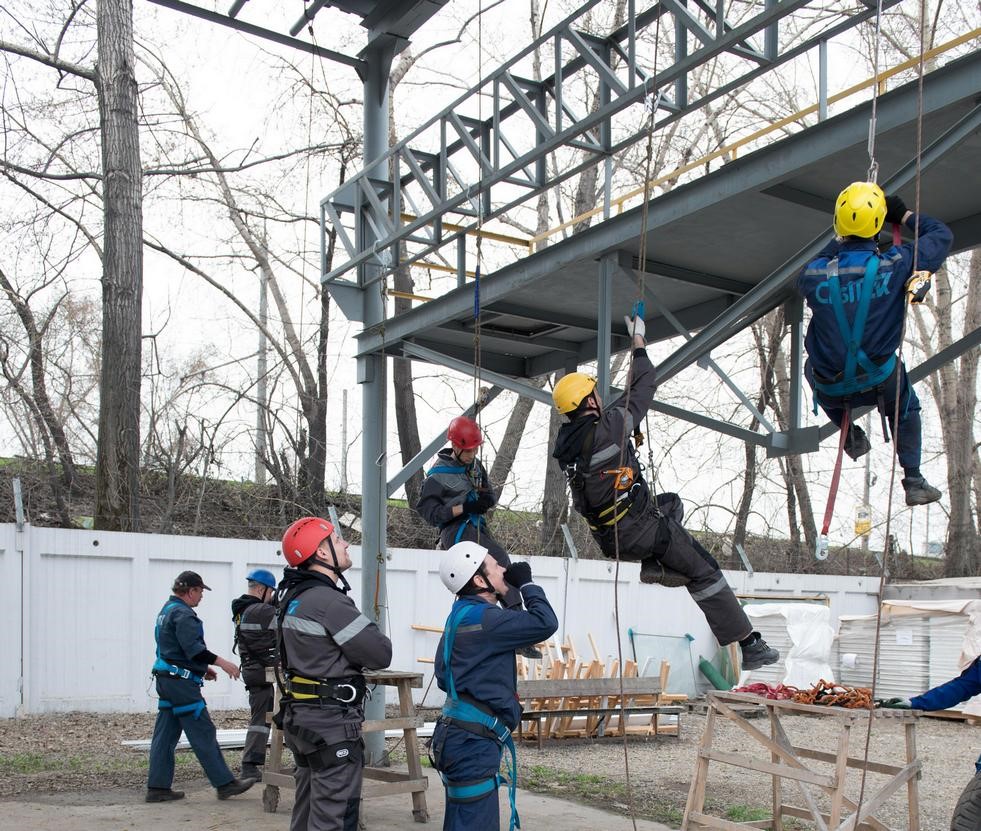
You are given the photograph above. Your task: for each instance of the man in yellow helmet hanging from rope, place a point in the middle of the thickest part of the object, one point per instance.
(608, 489)
(857, 298)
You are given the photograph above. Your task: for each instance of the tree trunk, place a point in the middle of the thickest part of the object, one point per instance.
(405, 400)
(117, 478)
(555, 500)
(507, 451)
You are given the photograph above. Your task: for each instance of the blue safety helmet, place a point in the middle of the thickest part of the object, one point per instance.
(260, 575)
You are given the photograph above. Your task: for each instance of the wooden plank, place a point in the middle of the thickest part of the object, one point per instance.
(696, 794)
(708, 821)
(869, 808)
(913, 791)
(419, 627)
(853, 762)
(392, 677)
(780, 749)
(837, 712)
(784, 741)
(841, 771)
(385, 775)
(667, 710)
(413, 786)
(563, 688)
(405, 723)
(776, 769)
(803, 813)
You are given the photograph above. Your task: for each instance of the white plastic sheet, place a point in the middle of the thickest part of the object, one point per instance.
(808, 626)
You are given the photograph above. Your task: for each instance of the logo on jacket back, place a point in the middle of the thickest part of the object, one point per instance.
(852, 292)
(293, 606)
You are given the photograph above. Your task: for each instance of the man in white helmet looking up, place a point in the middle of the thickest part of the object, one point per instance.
(625, 519)
(475, 666)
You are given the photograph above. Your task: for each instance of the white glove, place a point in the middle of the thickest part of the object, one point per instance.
(635, 325)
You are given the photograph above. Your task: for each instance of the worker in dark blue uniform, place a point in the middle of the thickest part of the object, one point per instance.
(857, 298)
(475, 666)
(182, 666)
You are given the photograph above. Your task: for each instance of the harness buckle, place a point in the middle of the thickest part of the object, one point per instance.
(623, 477)
(351, 687)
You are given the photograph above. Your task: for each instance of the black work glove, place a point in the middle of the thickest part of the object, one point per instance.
(517, 574)
(895, 210)
(483, 502)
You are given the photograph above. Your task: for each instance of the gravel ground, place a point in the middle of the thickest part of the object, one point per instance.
(80, 752)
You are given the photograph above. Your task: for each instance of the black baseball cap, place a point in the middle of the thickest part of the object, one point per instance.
(189, 580)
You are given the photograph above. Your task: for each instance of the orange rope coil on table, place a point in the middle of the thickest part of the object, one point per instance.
(823, 693)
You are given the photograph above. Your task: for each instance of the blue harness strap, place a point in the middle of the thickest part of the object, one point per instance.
(464, 711)
(160, 665)
(196, 708)
(851, 333)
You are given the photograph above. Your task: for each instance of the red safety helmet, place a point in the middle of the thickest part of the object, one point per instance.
(303, 538)
(464, 433)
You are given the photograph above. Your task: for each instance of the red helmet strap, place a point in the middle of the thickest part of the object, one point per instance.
(334, 566)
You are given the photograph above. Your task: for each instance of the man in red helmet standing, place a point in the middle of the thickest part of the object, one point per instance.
(456, 495)
(325, 643)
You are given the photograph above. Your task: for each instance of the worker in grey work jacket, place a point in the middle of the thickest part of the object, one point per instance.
(608, 488)
(324, 645)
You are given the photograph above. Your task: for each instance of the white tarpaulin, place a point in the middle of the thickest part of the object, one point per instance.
(810, 634)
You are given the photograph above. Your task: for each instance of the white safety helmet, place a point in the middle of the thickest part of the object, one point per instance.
(460, 562)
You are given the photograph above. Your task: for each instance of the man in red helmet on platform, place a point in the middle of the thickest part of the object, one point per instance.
(324, 645)
(456, 495)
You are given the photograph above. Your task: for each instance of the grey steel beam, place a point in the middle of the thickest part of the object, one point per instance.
(685, 275)
(607, 266)
(257, 31)
(413, 350)
(373, 377)
(427, 452)
(513, 366)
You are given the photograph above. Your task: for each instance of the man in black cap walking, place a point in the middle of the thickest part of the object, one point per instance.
(182, 666)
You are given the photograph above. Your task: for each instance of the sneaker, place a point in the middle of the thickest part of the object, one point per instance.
(250, 771)
(758, 654)
(919, 491)
(856, 443)
(652, 571)
(234, 788)
(529, 652)
(163, 795)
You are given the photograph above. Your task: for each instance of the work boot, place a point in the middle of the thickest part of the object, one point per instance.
(653, 571)
(529, 652)
(234, 788)
(856, 443)
(251, 771)
(163, 795)
(919, 491)
(758, 653)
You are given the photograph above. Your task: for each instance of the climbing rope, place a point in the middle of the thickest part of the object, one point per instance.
(887, 548)
(873, 174)
(652, 100)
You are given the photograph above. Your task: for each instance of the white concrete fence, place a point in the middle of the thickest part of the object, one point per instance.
(77, 610)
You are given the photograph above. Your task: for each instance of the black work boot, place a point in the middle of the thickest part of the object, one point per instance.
(234, 788)
(529, 652)
(251, 771)
(758, 654)
(856, 443)
(163, 795)
(919, 491)
(653, 571)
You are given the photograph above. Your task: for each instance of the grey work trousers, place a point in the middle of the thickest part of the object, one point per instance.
(328, 799)
(257, 738)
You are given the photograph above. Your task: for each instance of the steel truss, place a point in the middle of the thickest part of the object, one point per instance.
(456, 165)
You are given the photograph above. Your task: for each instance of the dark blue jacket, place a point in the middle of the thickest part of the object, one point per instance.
(483, 651)
(180, 637)
(958, 689)
(883, 328)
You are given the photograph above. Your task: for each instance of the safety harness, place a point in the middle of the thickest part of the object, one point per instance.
(476, 520)
(850, 382)
(162, 667)
(349, 691)
(467, 716)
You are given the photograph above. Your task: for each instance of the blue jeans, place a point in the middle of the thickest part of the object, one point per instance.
(197, 726)
(465, 757)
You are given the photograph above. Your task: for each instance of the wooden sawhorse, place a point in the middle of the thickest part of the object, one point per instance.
(785, 762)
(378, 781)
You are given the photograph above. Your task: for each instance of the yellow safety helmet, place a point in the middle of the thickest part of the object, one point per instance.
(571, 389)
(860, 210)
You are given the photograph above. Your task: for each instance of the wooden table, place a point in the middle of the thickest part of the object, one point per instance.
(783, 760)
(378, 781)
